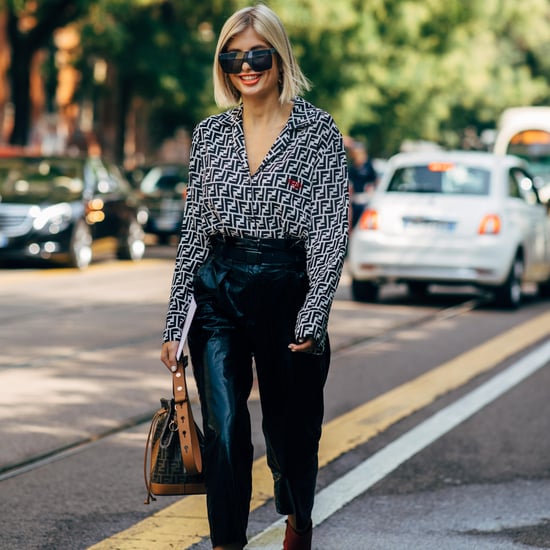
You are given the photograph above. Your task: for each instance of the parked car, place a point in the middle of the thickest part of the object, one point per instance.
(525, 132)
(163, 191)
(67, 210)
(455, 217)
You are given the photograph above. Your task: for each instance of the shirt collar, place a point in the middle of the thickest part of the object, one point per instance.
(300, 116)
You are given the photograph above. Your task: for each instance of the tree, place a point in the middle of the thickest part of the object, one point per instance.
(430, 69)
(159, 51)
(30, 26)
(391, 70)
(324, 38)
(387, 70)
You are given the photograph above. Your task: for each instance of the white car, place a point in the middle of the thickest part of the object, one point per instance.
(453, 217)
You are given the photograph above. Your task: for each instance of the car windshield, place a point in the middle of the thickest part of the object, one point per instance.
(447, 178)
(534, 147)
(40, 180)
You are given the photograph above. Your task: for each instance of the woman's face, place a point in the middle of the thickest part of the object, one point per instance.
(250, 83)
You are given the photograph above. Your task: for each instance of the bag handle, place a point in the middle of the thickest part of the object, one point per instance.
(150, 455)
(189, 440)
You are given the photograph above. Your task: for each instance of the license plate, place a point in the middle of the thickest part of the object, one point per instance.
(425, 225)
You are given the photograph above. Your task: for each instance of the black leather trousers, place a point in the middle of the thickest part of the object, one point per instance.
(247, 308)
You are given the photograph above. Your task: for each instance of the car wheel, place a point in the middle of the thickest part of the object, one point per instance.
(132, 246)
(80, 248)
(364, 291)
(509, 294)
(417, 289)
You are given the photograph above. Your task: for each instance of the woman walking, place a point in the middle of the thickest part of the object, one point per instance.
(262, 248)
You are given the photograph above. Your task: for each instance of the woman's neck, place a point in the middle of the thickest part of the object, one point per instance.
(262, 124)
(265, 112)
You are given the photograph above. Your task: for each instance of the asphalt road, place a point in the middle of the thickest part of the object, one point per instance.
(80, 376)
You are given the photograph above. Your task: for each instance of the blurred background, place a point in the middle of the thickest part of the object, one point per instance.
(132, 78)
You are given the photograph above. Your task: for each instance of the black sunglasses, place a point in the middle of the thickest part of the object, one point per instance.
(259, 60)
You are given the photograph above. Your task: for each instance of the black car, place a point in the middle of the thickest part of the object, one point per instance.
(67, 210)
(163, 191)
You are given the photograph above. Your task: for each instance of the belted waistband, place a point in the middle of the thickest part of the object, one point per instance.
(259, 251)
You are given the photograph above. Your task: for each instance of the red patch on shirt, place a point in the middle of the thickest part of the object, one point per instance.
(295, 184)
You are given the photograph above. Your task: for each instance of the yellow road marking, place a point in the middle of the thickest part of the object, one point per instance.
(184, 523)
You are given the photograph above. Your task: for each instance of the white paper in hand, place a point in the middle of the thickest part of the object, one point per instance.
(186, 326)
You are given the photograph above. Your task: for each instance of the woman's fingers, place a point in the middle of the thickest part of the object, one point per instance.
(303, 347)
(168, 355)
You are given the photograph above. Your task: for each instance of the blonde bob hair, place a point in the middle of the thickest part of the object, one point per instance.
(268, 25)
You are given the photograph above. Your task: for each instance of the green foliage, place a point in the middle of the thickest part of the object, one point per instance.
(429, 69)
(161, 50)
(388, 70)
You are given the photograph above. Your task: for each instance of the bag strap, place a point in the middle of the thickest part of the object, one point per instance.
(189, 440)
(151, 452)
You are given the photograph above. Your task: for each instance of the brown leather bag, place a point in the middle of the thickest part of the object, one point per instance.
(173, 452)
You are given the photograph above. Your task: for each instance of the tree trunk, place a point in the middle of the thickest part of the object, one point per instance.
(123, 106)
(54, 14)
(20, 92)
(19, 74)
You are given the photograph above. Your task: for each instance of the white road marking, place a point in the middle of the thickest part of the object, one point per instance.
(365, 475)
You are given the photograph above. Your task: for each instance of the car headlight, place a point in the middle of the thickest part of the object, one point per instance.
(53, 219)
(142, 216)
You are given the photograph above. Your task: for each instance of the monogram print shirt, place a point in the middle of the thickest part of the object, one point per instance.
(300, 190)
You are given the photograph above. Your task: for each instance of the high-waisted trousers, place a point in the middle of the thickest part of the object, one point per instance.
(247, 304)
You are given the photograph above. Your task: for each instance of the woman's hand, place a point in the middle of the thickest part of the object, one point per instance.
(168, 354)
(307, 346)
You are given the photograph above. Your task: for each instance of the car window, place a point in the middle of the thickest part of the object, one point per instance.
(162, 180)
(441, 177)
(118, 181)
(100, 177)
(168, 182)
(513, 187)
(521, 186)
